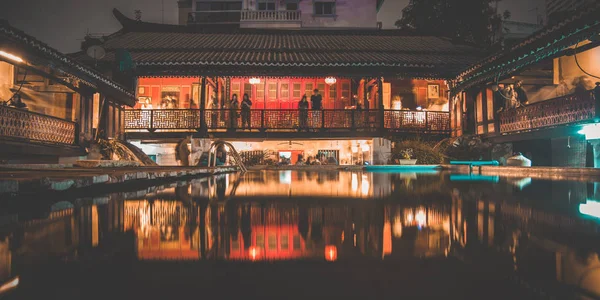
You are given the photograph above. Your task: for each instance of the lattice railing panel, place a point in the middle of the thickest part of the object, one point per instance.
(558, 111)
(22, 124)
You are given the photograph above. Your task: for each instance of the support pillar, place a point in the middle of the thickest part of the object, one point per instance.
(380, 103)
(203, 104)
(596, 150)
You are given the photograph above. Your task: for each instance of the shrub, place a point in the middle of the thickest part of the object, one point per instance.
(423, 152)
(468, 148)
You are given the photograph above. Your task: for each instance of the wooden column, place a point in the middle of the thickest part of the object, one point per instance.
(203, 104)
(365, 95)
(380, 102)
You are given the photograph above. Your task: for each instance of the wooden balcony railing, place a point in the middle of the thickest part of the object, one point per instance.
(287, 120)
(271, 16)
(28, 126)
(563, 110)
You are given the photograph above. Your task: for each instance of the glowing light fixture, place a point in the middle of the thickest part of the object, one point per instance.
(330, 253)
(11, 56)
(9, 285)
(330, 80)
(421, 218)
(254, 80)
(590, 208)
(254, 252)
(591, 131)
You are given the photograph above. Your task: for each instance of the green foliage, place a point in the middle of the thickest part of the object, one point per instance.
(422, 151)
(467, 20)
(468, 148)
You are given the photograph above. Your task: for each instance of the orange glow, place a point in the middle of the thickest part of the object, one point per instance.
(254, 253)
(11, 56)
(330, 253)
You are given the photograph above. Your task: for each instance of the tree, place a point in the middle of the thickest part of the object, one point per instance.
(468, 20)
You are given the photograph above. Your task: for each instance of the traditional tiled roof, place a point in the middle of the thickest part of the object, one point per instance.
(368, 52)
(544, 44)
(63, 63)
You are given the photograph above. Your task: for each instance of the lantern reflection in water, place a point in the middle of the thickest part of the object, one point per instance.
(330, 253)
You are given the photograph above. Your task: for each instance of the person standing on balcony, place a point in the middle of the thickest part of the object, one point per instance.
(246, 106)
(521, 93)
(234, 105)
(317, 104)
(303, 109)
(214, 112)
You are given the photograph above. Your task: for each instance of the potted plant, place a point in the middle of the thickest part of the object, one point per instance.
(407, 157)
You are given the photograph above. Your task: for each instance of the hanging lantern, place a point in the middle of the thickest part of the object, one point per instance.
(330, 253)
(254, 80)
(330, 80)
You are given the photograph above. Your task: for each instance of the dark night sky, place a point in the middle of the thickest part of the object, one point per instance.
(63, 23)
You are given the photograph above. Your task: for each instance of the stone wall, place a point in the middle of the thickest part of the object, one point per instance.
(569, 151)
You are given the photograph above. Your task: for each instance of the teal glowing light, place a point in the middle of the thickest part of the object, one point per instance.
(591, 131)
(590, 208)
(474, 177)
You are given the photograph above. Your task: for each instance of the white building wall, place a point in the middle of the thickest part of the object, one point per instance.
(349, 13)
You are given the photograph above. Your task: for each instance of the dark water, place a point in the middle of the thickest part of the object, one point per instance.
(303, 235)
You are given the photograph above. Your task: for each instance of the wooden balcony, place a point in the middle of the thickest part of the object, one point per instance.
(347, 123)
(25, 126)
(271, 16)
(565, 110)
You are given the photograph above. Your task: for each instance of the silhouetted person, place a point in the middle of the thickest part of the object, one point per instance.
(233, 112)
(303, 114)
(246, 106)
(521, 93)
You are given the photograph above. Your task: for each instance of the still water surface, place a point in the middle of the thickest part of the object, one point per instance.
(305, 235)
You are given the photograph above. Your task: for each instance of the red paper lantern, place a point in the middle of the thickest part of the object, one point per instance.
(330, 253)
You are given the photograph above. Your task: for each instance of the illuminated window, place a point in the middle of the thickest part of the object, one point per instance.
(285, 242)
(308, 89)
(273, 90)
(272, 242)
(332, 92)
(346, 90)
(285, 90)
(260, 240)
(248, 90)
(297, 93)
(321, 88)
(235, 245)
(296, 242)
(260, 91)
(235, 89)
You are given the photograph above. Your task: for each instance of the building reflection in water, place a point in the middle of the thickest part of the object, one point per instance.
(533, 231)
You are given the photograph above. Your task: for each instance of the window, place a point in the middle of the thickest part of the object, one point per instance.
(235, 89)
(321, 88)
(218, 5)
(273, 90)
(308, 89)
(346, 90)
(260, 91)
(266, 4)
(260, 241)
(285, 242)
(296, 242)
(235, 245)
(285, 90)
(247, 90)
(296, 92)
(333, 92)
(291, 6)
(272, 242)
(324, 8)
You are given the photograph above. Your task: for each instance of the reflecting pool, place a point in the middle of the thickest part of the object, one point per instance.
(299, 235)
